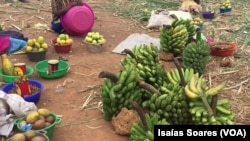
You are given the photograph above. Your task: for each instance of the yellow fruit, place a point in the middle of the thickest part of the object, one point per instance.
(37, 45)
(29, 48)
(41, 49)
(31, 117)
(30, 42)
(88, 39)
(62, 36)
(44, 46)
(94, 42)
(29, 134)
(66, 36)
(58, 40)
(40, 40)
(7, 65)
(62, 42)
(44, 112)
(101, 41)
(18, 137)
(69, 41)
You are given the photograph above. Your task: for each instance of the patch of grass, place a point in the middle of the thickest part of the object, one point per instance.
(140, 10)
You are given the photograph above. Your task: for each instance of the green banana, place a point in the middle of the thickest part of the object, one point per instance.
(170, 78)
(223, 110)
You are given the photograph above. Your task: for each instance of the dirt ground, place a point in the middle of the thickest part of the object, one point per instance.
(77, 124)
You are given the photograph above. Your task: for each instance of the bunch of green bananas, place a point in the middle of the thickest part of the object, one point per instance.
(145, 58)
(174, 38)
(196, 56)
(174, 77)
(118, 89)
(145, 54)
(222, 116)
(171, 105)
(138, 131)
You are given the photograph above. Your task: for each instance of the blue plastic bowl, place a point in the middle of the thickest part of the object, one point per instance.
(31, 98)
(225, 10)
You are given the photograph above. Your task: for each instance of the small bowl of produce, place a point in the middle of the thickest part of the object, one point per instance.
(62, 44)
(35, 89)
(226, 7)
(36, 49)
(94, 42)
(197, 22)
(40, 120)
(223, 49)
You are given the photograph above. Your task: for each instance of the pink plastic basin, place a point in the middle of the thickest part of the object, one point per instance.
(79, 20)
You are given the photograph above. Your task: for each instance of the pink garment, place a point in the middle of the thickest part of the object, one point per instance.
(4, 44)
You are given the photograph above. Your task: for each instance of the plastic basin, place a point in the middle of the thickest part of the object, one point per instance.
(36, 56)
(78, 20)
(42, 67)
(49, 129)
(224, 52)
(8, 78)
(31, 98)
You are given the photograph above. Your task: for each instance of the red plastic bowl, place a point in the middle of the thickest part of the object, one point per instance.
(61, 48)
(79, 20)
(224, 52)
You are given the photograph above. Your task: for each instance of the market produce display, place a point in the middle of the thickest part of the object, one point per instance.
(179, 96)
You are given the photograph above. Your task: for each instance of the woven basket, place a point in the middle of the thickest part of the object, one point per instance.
(59, 7)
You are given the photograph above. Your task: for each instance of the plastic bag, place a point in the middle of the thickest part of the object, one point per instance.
(163, 17)
(136, 39)
(15, 106)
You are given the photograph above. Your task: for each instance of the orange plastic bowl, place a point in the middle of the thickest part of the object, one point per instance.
(224, 52)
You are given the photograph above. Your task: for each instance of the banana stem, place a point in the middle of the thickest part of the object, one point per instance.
(109, 75)
(141, 114)
(178, 66)
(148, 87)
(206, 104)
(214, 103)
(129, 52)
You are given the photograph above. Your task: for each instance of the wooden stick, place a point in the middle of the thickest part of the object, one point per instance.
(18, 28)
